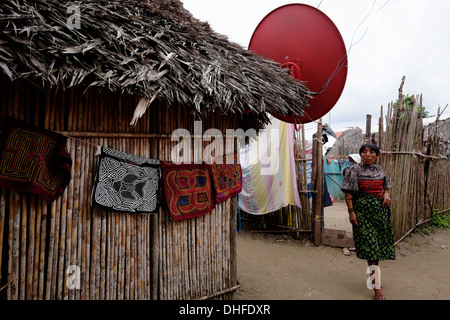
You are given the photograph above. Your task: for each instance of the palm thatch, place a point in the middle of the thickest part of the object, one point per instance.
(347, 143)
(153, 49)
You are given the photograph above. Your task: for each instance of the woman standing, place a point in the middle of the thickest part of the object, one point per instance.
(366, 189)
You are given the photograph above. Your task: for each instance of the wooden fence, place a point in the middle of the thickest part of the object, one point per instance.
(421, 176)
(415, 164)
(118, 255)
(437, 183)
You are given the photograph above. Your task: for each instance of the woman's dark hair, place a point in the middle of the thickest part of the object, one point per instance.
(372, 146)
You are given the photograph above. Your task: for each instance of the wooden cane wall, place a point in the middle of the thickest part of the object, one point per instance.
(119, 255)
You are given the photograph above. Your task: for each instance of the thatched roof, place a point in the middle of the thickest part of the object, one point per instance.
(153, 49)
(347, 143)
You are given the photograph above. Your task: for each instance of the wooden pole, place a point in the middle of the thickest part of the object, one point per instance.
(307, 208)
(368, 125)
(154, 242)
(23, 247)
(2, 224)
(318, 197)
(233, 236)
(380, 129)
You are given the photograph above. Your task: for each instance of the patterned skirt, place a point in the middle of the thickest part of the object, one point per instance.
(374, 235)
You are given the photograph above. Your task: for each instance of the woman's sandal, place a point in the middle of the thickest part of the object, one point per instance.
(379, 296)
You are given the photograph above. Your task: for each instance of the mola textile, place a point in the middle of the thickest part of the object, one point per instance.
(188, 190)
(126, 183)
(227, 178)
(33, 160)
(268, 170)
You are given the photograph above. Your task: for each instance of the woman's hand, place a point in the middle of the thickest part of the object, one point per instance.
(353, 218)
(386, 199)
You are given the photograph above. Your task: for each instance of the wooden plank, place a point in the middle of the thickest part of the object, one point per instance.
(65, 255)
(103, 243)
(318, 197)
(42, 251)
(110, 256)
(75, 212)
(84, 200)
(94, 256)
(39, 210)
(31, 246)
(14, 256)
(114, 258)
(2, 225)
(52, 263)
(10, 278)
(23, 246)
(337, 238)
(128, 258)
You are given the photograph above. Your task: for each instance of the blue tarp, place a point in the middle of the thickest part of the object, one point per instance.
(333, 175)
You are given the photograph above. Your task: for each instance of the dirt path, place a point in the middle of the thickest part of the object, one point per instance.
(279, 268)
(336, 216)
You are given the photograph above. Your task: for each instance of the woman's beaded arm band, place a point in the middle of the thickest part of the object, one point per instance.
(349, 202)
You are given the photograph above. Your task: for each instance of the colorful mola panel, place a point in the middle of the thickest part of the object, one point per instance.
(188, 190)
(33, 160)
(227, 178)
(126, 183)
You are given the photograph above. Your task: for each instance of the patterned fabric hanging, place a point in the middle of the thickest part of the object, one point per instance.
(126, 183)
(227, 178)
(269, 182)
(188, 189)
(33, 160)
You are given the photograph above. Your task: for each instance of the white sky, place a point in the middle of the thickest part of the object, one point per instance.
(404, 38)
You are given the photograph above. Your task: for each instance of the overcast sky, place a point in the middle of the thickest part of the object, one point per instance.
(399, 38)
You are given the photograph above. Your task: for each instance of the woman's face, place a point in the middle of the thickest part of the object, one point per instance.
(368, 156)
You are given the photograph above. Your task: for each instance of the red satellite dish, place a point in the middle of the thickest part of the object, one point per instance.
(303, 39)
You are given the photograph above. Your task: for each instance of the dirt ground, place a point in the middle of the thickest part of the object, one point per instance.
(336, 217)
(277, 267)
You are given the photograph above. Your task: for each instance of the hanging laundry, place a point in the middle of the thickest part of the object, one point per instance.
(126, 183)
(269, 179)
(188, 190)
(227, 178)
(33, 160)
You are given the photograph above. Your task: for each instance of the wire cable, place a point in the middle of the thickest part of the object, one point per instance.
(344, 59)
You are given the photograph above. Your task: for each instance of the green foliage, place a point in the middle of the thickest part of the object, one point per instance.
(409, 102)
(426, 231)
(440, 220)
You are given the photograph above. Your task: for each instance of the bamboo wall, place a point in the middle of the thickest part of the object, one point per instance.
(421, 178)
(437, 183)
(120, 255)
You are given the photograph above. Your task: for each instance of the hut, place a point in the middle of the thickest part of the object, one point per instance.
(440, 128)
(88, 70)
(347, 143)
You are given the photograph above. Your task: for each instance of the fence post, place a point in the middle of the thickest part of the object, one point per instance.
(368, 125)
(317, 179)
